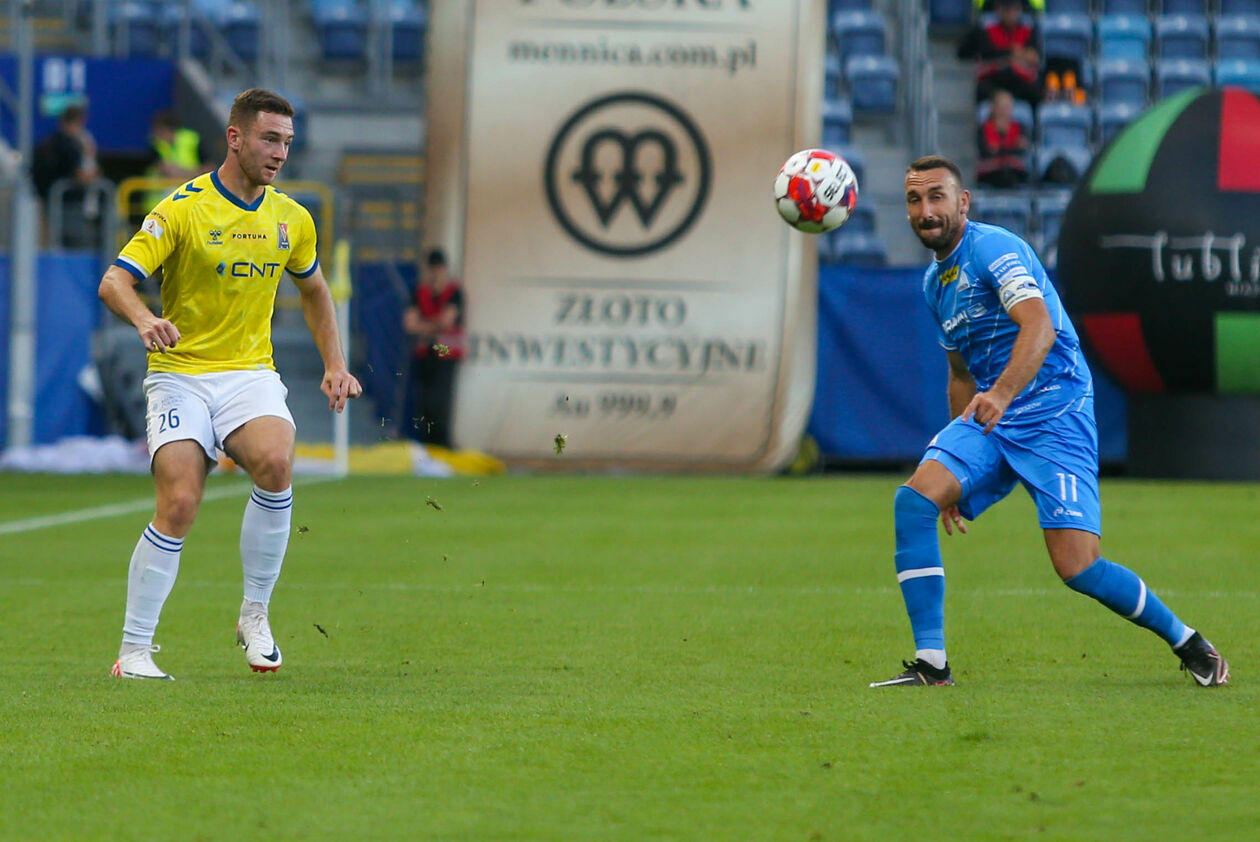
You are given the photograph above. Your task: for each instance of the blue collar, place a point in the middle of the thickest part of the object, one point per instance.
(232, 197)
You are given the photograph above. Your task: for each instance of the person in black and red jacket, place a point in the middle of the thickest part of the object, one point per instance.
(436, 321)
(1002, 146)
(1005, 47)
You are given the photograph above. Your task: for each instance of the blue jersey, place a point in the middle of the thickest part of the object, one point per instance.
(970, 292)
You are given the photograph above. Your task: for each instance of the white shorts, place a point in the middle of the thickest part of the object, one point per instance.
(207, 408)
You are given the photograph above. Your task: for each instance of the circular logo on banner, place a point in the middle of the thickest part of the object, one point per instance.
(1159, 253)
(627, 174)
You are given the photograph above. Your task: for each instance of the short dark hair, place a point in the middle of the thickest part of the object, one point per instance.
(249, 104)
(166, 119)
(71, 114)
(436, 257)
(935, 162)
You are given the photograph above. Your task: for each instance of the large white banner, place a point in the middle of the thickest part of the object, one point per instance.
(602, 171)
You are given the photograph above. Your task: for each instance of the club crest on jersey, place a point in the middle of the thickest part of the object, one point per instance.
(216, 237)
(282, 230)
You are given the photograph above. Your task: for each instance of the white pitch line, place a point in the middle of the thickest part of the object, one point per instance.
(128, 508)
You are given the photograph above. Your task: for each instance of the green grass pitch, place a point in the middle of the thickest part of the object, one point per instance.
(595, 658)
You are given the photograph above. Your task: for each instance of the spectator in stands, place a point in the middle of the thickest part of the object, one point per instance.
(69, 153)
(436, 320)
(1002, 145)
(175, 153)
(1006, 54)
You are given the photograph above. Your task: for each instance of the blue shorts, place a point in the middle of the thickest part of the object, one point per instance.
(1056, 459)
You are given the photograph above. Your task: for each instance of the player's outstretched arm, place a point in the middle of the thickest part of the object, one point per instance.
(962, 386)
(118, 292)
(321, 318)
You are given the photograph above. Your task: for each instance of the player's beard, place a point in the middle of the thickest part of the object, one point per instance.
(938, 237)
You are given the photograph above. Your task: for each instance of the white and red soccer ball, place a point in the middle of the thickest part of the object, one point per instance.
(815, 191)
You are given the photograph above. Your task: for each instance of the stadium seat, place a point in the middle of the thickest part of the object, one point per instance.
(1174, 75)
(837, 127)
(1066, 36)
(1181, 36)
(1185, 7)
(1067, 7)
(1012, 211)
(873, 83)
(858, 33)
(1064, 124)
(241, 27)
(342, 29)
(1050, 207)
(1124, 80)
(834, 6)
(1076, 159)
(1240, 7)
(833, 76)
(138, 25)
(1242, 72)
(861, 221)
(1140, 8)
(949, 12)
(1021, 112)
(1123, 36)
(859, 250)
(1114, 116)
(1238, 36)
(407, 22)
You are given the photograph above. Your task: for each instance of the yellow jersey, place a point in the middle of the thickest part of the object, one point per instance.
(222, 260)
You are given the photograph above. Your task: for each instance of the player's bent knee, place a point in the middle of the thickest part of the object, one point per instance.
(273, 471)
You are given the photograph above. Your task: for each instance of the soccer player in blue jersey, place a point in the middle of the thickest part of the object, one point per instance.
(223, 241)
(1021, 397)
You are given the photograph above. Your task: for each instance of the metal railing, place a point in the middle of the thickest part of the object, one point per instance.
(918, 102)
(92, 219)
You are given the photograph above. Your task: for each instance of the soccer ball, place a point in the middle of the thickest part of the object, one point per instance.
(815, 191)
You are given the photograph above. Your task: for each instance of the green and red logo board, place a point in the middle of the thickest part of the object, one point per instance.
(1160, 247)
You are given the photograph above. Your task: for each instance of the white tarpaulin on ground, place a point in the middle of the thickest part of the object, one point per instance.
(601, 172)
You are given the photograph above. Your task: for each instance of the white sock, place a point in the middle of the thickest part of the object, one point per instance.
(154, 565)
(935, 657)
(264, 538)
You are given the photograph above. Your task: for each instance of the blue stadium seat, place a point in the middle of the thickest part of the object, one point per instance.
(1124, 80)
(873, 83)
(1063, 124)
(833, 75)
(837, 123)
(1050, 207)
(1114, 116)
(859, 250)
(1068, 7)
(1185, 7)
(1066, 36)
(140, 23)
(1078, 157)
(242, 29)
(1240, 7)
(949, 12)
(1181, 36)
(1126, 7)
(1174, 75)
(1123, 36)
(858, 33)
(342, 29)
(1242, 72)
(1238, 36)
(408, 22)
(1013, 211)
(848, 5)
(1021, 112)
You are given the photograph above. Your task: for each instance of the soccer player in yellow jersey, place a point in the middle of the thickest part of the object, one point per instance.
(223, 240)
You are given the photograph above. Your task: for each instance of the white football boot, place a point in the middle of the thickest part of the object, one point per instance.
(135, 660)
(253, 633)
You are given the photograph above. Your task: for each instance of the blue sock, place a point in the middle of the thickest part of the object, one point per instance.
(1121, 590)
(919, 570)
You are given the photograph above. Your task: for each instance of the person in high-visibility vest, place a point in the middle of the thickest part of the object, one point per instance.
(174, 152)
